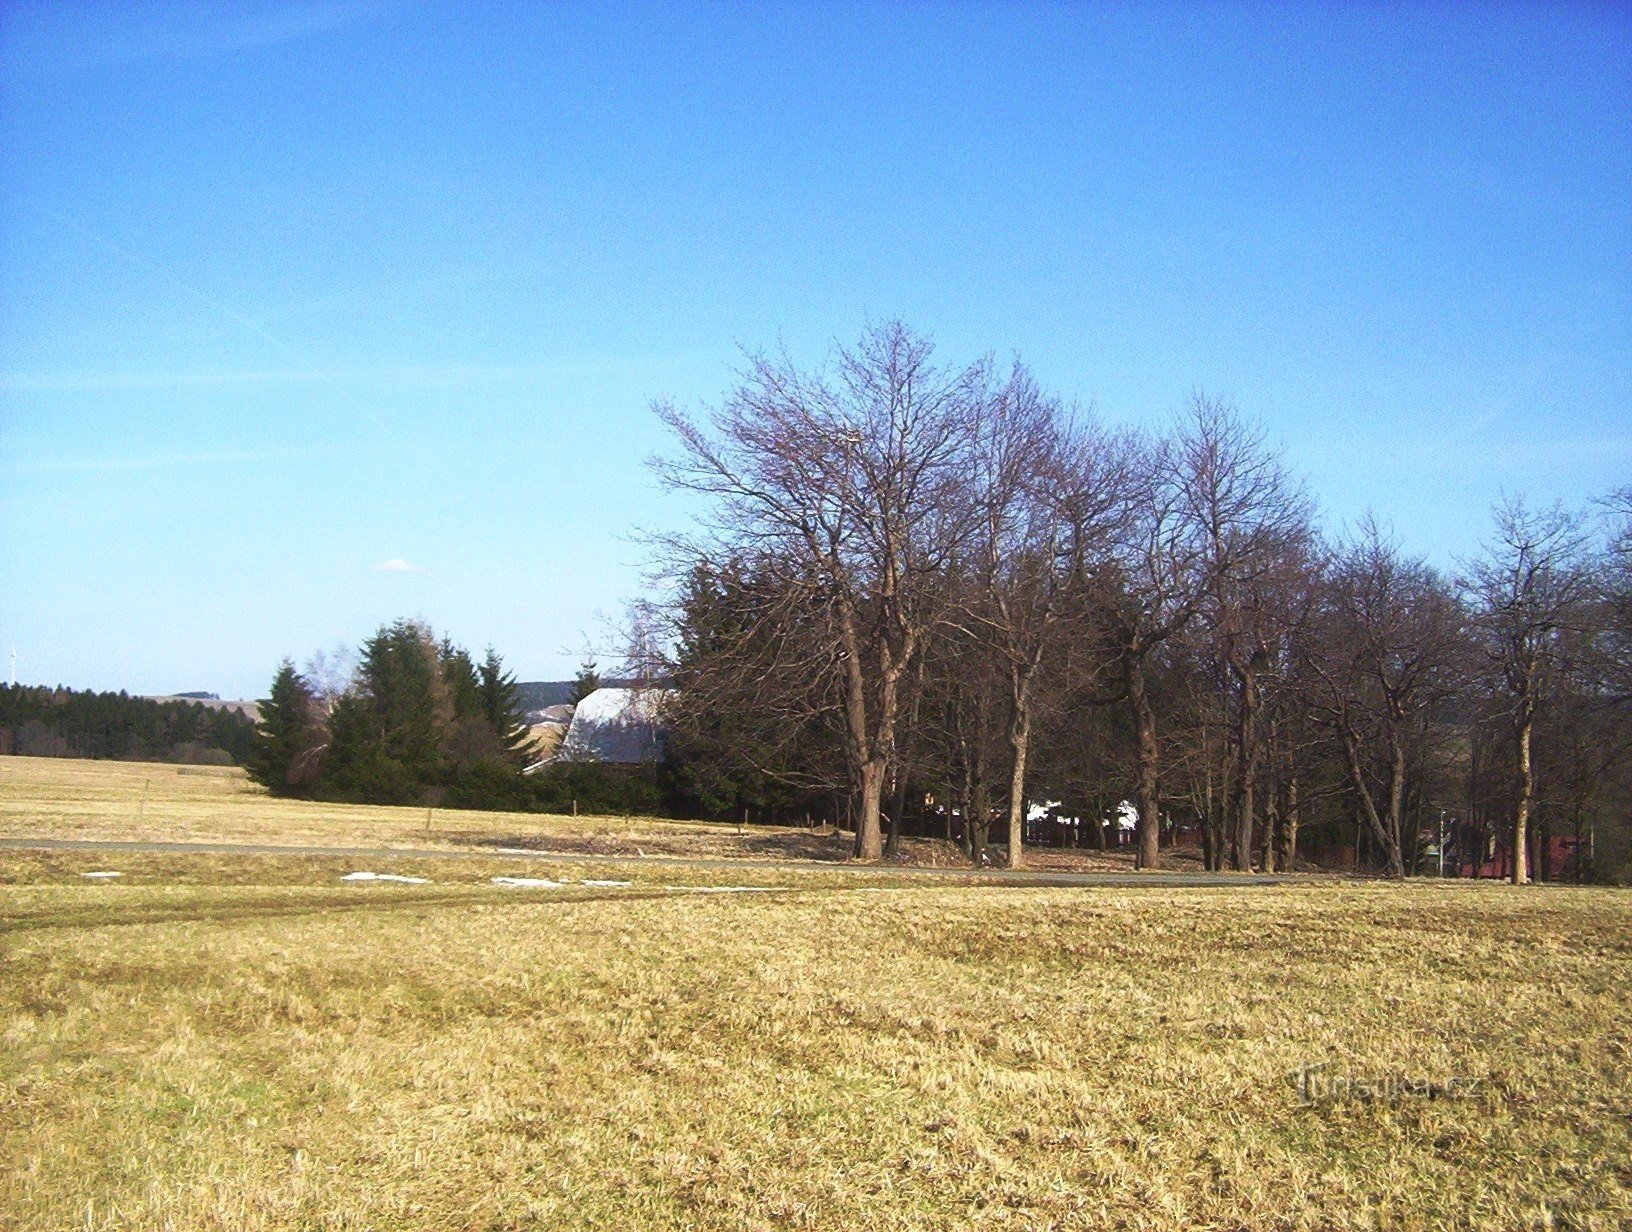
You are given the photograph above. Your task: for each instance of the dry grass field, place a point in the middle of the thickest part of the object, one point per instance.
(73, 799)
(235, 1042)
(66, 798)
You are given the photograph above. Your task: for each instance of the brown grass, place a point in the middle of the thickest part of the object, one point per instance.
(66, 798)
(247, 1043)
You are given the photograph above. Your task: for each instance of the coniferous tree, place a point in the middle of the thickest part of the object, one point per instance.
(402, 679)
(284, 737)
(423, 723)
(386, 732)
(358, 766)
(742, 731)
(586, 681)
(459, 675)
(501, 707)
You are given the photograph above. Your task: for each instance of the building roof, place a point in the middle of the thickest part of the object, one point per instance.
(618, 726)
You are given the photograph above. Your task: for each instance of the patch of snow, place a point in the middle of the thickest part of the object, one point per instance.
(540, 883)
(101, 873)
(616, 885)
(386, 877)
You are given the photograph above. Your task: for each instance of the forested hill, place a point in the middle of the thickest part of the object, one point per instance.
(42, 722)
(537, 694)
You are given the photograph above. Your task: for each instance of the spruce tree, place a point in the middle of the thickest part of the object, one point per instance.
(406, 697)
(502, 707)
(459, 673)
(358, 766)
(586, 681)
(284, 732)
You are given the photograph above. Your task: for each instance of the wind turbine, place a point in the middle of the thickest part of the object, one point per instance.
(14, 657)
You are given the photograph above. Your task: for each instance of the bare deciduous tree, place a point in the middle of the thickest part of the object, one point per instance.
(1251, 525)
(1389, 633)
(855, 480)
(1156, 572)
(1045, 490)
(1610, 660)
(1527, 588)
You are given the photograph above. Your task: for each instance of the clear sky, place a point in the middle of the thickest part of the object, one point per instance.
(317, 314)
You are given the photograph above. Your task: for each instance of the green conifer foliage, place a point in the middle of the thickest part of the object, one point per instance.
(502, 708)
(586, 681)
(284, 735)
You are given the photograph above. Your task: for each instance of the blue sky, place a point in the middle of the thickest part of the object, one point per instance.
(317, 314)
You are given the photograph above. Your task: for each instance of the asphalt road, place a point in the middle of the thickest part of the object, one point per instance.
(989, 876)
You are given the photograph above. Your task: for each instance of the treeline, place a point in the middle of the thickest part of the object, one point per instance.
(925, 594)
(44, 722)
(418, 722)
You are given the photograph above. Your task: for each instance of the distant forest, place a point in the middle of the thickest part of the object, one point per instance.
(539, 694)
(533, 695)
(36, 721)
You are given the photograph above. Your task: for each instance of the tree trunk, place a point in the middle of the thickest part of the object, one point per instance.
(898, 809)
(869, 737)
(1368, 808)
(1269, 841)
(1472, 819)
(1209, 851)
(1145, 763)
(1575, 826)
(1521, 810)
(1544, 843)
(1246, 779)
(1396, 801)
(869, 834)
(898, 806)
(1290, 820)
(964, 764)
(966, 833)
(1216, 827)
(980, 815)
(1019, 739)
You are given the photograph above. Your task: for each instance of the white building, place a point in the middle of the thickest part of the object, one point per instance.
(615, 726)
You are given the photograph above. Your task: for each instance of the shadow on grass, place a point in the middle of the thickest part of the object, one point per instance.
(828, 848)
(723, 843)
(264, 907)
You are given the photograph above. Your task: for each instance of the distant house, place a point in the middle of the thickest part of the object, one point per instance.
(616, 727)
(1047, 825)
(1492, 856)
